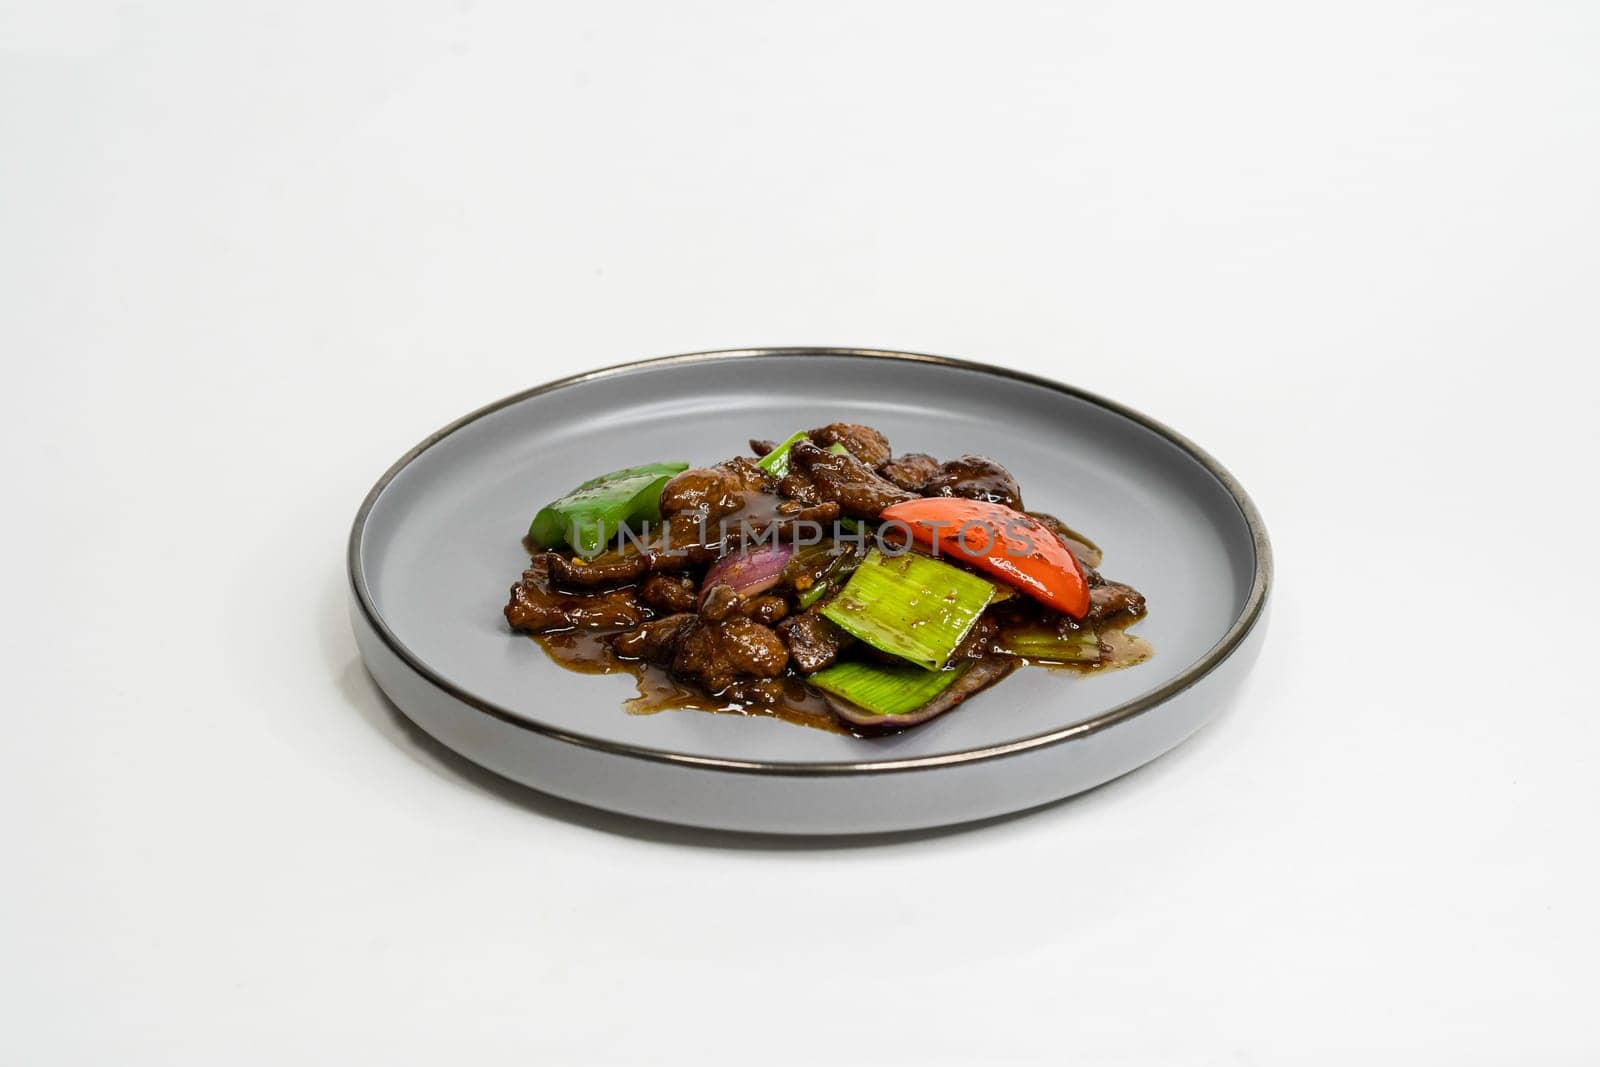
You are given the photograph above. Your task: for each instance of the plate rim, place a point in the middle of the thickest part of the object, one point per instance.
(1255, 603)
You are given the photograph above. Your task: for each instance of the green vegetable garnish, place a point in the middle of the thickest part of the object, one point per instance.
(910, 606)
(884, 689)
(776, 462)
(840, 562)
(1044, 644)
(590, 516)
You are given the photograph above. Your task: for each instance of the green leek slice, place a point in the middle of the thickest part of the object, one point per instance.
(910, 606)
(1043, 643)
(884, 689)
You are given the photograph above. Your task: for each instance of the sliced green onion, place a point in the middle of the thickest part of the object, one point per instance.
(838, 449)
(910, 606)
(590, 515)
(884, 689)
(776, 462)
(1044, 644)
(836, 564)
(814, 594)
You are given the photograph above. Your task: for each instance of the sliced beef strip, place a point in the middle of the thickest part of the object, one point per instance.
(1087, 551)
(858, 490)
(655, 641)
(717, 654)
(821, 513)
(814, 642)
(761, 446)
(709, 491)
(536, 606)
(766, 610)
(669, 593)
(979, 640)
(976, 478)
(750, 476)
(911, 471)
(719, 603)
(677, 545)
(797, 485)
(864, 443)
(1109, 601)
(608, 569)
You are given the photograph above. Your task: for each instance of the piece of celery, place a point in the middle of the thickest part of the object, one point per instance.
(1044, 644)
(776, 462)
(884, 689)
(910, 606)
(590, 515)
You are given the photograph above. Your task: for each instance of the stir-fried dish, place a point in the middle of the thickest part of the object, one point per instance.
(823, 580)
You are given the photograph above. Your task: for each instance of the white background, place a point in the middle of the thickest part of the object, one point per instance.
(249, 255)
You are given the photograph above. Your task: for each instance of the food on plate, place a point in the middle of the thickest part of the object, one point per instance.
(820, 579)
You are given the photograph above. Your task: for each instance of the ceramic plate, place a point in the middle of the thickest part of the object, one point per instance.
(437, 544)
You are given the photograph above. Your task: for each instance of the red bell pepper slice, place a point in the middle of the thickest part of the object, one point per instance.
(1016, 548)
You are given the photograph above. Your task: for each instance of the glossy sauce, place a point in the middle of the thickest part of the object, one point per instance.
(590, 652)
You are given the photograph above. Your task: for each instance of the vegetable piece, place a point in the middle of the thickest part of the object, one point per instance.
(750, 572)
(776, 462)
(1014, 547)
(884, 689)
(1044, 644)
(837, 449)
(910, 606)
(843, 565)
(965, 681)
(590, 515)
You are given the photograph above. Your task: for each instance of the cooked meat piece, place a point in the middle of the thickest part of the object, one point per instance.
(911, 471)
(655, 641)
(1113, 600)
(721, 653)
(979, 640)
(761, 447)
(813, 640)
(864, 443)
(857, 488)
(678, 544)
(750, 476)
(608, 569)
(536, 606)
(719, 602)
(822, 514)
(764, 609)
(982, 674)
(1087, 551)
(797, 485)
(669, 593)
(709, 491)
(685, 541)
(977, 478)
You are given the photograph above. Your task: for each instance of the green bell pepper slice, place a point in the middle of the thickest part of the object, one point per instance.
(588, 517)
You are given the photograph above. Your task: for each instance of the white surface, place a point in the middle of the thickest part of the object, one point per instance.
(248, 259)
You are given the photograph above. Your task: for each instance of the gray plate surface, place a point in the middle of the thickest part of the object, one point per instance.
(436, 546)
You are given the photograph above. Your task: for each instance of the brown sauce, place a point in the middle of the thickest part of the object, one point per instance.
(590, 652)
(1118, 649)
